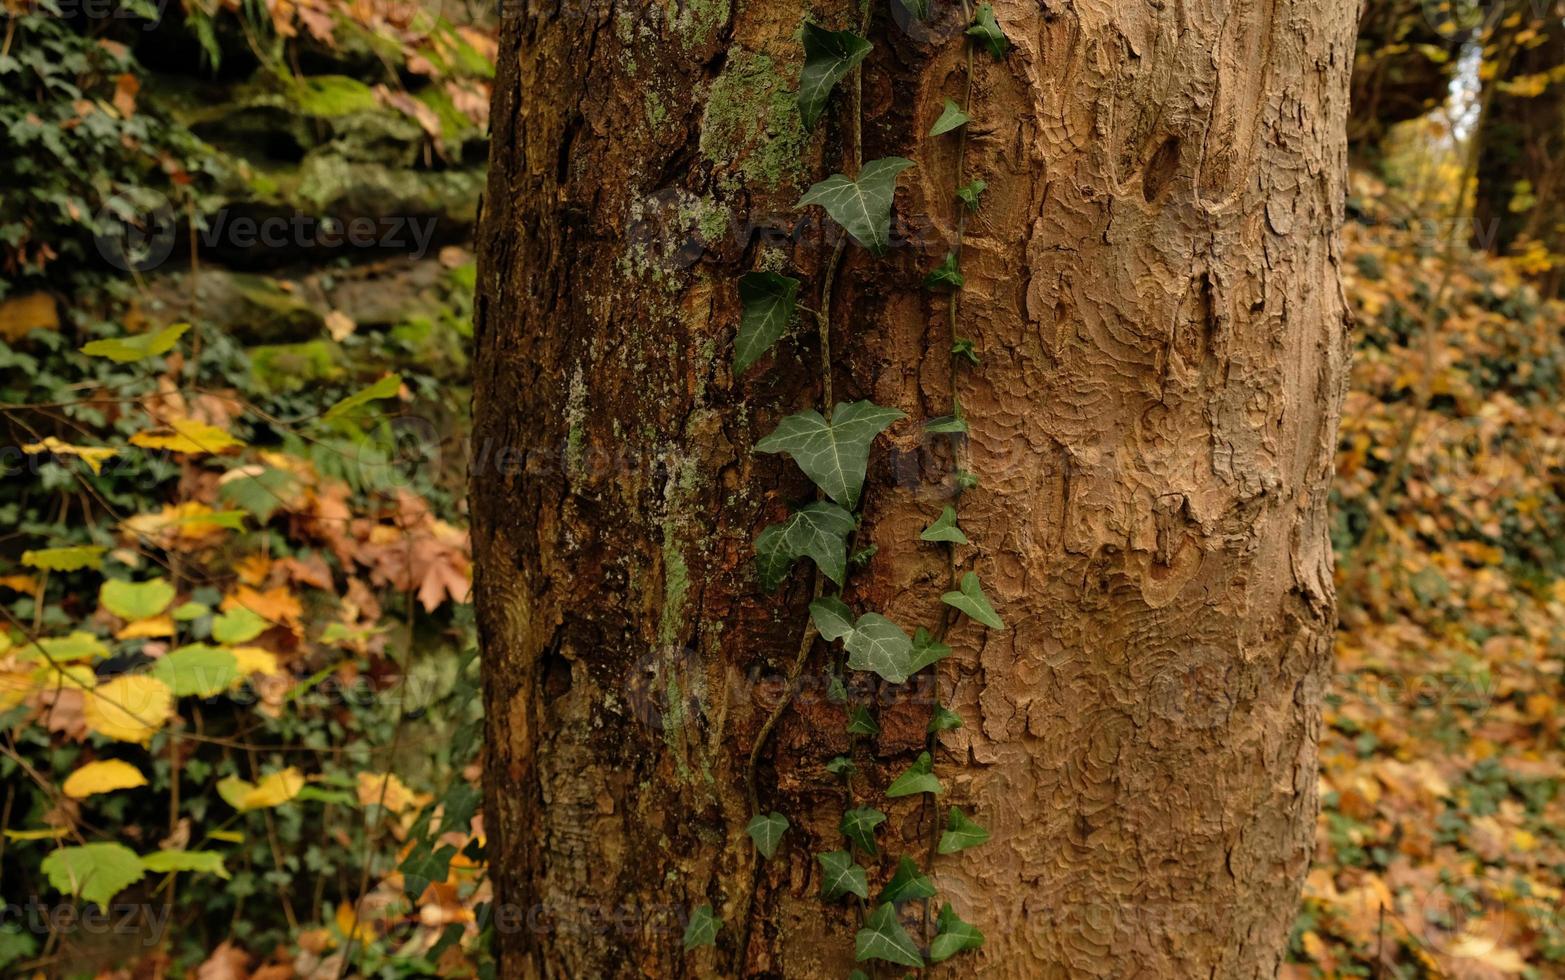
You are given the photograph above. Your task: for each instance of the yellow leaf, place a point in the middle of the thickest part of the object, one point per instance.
(186, 436)
(14, 688)
(93, 456)
(27, 585)
(254, 660)
(129, 708)
(375, 788)
(102, 777)
(348, 923)
(64, 559)
(44, 833)
(274, 789)
(142, 628)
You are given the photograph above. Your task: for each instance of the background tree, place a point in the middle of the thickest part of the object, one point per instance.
(1407, 57)
(1521, 181)
(1151, 290)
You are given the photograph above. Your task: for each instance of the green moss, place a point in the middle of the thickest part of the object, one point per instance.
(329, 96)
(290, 367)
(700, 19)
(752, 123)
(657, 114)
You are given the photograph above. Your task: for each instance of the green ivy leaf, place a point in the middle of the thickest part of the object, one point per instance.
(832, 617)
(919, 778)
(828, 58)
(386, 387)
(920, 10)
(862, 207)
(953, 424)
(877, 644)
(137, 346)
(944, 528)
(836, 692)
(951, 117)
(702, 929)
(207, 862)
(858, 826)
(970, 192)
(817, 531)
(768, 299)
(767, 831)
(197, 670)
(966, 480)
(841, 876)
(926, 651)
(95, 872)
(457, 808)
(945, 275)
(955, 936)
(860, 721)
(943, 720)
(833, 454)
(962, 347)
(839, 765)
(883, 938)
(972, 601)
(961, 833)
(136, 600)
(986, 31)
(238, 625)
(908, 885)
(425, 863)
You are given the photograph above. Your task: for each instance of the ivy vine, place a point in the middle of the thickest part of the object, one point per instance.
(831, 445)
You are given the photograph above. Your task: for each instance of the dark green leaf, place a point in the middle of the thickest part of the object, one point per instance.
(841, 876)
(858, 826)
(768, 299)
(818, 531)
(883, 938)
(969, 193)
(908, 884)
(702, 929)
(955, 936)
(860, 722)
(962, 347)
(862, 207)
(943, 720)
(919, 778)
(961, 833)
(986, 31)
(972, 601)
(945, 275)
(877, 644)
(951, 117)
(918, 9)
(832, 617)
(839, 765)
(834, 454)
(926, 651)
(944, 528)
(828, 58)
(767, 831)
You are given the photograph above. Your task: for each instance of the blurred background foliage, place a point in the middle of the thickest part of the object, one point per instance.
(238, 685)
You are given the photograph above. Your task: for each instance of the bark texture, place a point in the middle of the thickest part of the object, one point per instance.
(1153, 287)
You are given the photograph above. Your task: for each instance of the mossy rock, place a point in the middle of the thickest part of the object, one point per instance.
(290, 367)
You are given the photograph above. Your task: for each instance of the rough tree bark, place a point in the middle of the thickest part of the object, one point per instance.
(1153, 287)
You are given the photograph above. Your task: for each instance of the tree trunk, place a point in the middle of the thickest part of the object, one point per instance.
(1407, 56)
(1521, 179)
(1152, 285)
